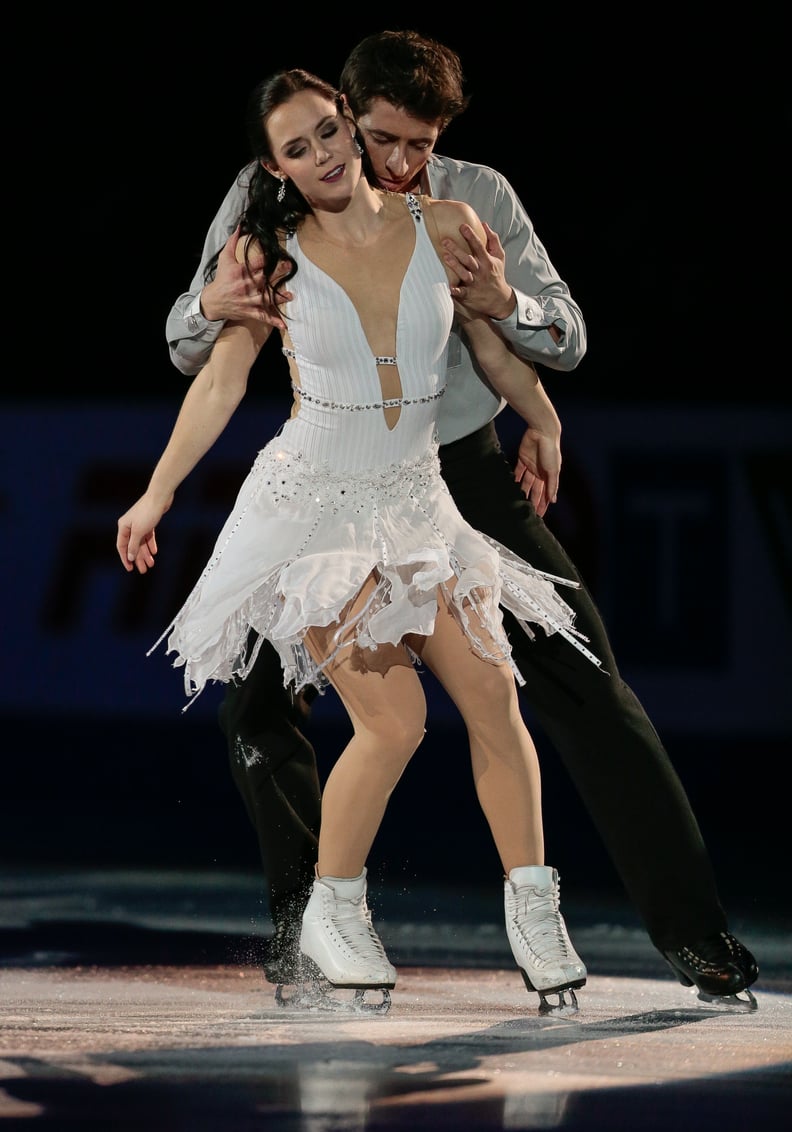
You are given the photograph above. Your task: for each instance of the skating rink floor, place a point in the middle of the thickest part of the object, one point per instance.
(133, 1000)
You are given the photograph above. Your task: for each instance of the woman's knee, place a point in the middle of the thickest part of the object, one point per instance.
(390, 709)
(400, 732)
(492, 699)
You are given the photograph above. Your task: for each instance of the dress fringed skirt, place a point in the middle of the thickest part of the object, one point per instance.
(342, 502)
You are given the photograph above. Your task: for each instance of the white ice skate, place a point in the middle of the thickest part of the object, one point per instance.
(340, 948)
(537, 933)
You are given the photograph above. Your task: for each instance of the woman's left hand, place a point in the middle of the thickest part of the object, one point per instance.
(538, 468)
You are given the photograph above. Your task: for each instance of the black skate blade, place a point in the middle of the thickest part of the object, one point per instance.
(558, 1003)
(744, 1002)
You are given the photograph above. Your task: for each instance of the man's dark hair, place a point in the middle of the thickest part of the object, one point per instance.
(414, 73)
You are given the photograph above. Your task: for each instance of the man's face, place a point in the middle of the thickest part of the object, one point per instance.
(398, 145)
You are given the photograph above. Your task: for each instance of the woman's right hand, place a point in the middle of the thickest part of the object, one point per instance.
(136, 542)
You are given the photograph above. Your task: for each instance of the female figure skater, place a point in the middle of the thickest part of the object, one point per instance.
(344, 548)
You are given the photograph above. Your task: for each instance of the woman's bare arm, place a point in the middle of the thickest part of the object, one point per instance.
(207, 408)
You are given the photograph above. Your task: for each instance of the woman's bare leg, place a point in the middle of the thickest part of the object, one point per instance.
(503, 755)
(385, 702)
(506, 772)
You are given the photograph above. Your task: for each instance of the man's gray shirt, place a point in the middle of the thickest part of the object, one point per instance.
(543, 298)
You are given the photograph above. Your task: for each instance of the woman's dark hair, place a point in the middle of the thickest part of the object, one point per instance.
(265, 217)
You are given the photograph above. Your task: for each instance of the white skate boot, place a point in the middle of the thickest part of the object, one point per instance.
(537, 933)
(339, 946)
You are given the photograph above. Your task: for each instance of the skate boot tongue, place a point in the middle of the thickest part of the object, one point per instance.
(347, 888)
(538, 876)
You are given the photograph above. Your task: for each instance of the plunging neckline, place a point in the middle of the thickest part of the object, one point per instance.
(350, 303)
(340, 287)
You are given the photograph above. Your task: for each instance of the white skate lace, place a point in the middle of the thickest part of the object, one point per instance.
(356, 933)
(548, 939)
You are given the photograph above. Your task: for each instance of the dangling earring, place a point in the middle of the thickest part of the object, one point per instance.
(282, 190)
(359, 147)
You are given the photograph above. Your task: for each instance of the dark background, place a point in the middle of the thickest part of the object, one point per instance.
(652, 158)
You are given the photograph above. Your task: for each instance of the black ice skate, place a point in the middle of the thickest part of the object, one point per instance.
(537, 933)
(720, 968)
(281, 959)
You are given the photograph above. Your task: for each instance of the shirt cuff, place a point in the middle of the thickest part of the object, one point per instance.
(197, 323)
(528, 312)
(510, 321)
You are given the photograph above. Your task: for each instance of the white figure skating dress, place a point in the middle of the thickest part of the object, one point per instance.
(338, 496)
